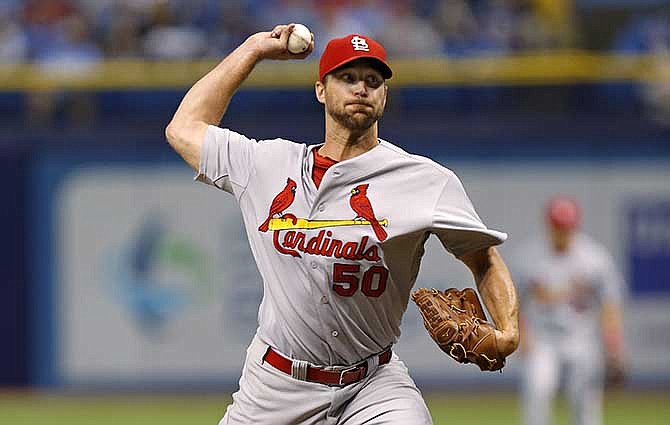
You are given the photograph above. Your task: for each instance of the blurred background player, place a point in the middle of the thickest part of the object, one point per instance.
(571, 296)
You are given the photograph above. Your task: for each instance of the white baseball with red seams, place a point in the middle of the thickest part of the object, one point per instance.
(299, 39)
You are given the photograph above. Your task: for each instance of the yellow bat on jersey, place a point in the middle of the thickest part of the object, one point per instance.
(302, 223)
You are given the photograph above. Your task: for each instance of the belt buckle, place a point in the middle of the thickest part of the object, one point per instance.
(343, 371)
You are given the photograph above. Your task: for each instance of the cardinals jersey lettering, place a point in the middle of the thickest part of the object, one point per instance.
(338, 262)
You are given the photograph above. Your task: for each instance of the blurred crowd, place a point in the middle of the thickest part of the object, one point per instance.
(82, 31)
(87, 30)
(651, 34)
(69, 37)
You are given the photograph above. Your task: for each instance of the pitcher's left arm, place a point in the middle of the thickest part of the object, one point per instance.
(498, 293)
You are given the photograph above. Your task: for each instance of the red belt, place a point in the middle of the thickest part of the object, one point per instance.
(323, 375)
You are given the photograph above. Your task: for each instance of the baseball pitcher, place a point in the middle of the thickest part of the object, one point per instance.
(337, 231)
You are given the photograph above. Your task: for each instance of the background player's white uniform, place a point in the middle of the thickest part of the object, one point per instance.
(335, 286)
(564, 337)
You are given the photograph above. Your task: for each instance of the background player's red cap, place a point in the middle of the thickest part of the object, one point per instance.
(563, 212)
(340, 51)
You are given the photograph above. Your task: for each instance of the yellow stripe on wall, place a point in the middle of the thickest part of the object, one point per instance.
(533, 68)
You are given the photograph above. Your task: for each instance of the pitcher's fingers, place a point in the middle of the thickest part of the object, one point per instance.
(286, 32)
(276, 31)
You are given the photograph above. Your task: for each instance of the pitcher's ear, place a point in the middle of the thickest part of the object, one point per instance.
(320, 91)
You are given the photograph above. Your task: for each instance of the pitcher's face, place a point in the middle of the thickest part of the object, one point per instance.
(354, 95)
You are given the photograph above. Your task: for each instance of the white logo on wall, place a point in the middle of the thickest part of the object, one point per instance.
(360, 44)
(162, 273)
(159, 274)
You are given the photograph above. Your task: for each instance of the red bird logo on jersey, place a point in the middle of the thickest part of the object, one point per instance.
(280, 203)
(361, 205)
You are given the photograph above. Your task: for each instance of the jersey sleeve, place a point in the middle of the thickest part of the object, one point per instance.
(456, 223)
(612, 282)
(226, 159)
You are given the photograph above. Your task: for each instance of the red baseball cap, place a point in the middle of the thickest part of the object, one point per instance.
(563, 212)
(340, 51)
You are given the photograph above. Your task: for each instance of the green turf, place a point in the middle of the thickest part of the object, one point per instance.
(447, 409)
(620, 409)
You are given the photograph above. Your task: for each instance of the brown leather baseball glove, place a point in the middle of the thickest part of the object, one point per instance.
(456, 322)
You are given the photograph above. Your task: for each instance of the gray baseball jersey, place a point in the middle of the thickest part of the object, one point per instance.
(338, 262)
(582, 278)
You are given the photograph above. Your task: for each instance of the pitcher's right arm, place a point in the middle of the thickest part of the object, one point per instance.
(207, 101)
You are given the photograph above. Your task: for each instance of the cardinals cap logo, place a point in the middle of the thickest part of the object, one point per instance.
(360, 43)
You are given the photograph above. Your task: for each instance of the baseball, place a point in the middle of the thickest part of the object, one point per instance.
(299, 40)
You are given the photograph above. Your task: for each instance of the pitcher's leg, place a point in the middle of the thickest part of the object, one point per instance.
(269, 396)
(388, 397)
